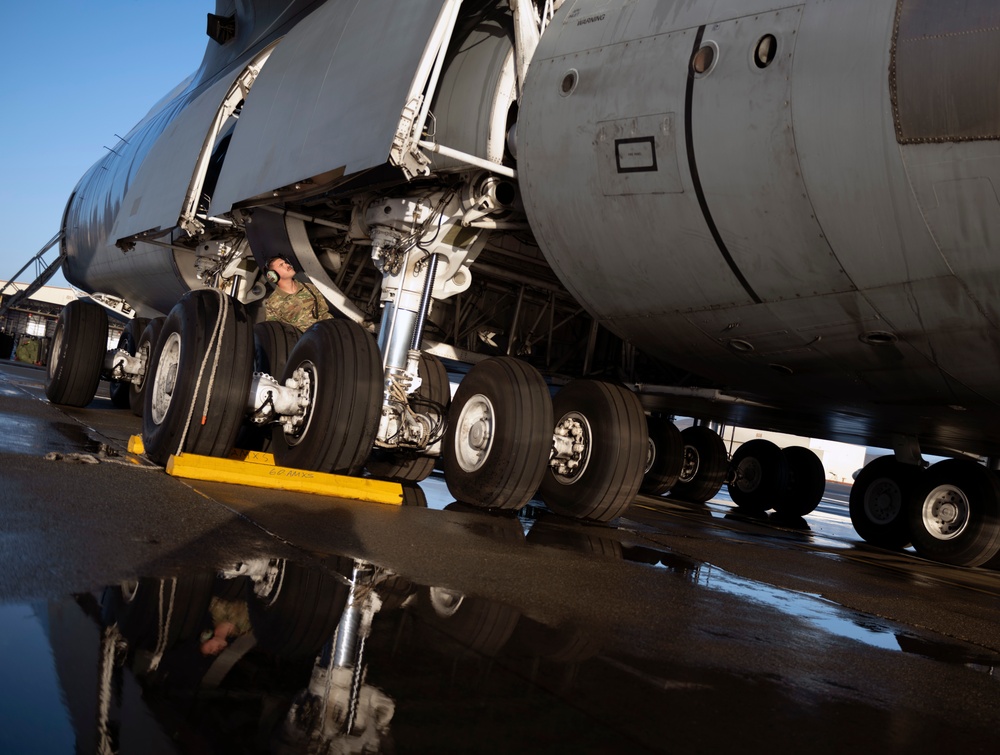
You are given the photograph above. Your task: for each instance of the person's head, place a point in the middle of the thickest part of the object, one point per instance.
(278, 267)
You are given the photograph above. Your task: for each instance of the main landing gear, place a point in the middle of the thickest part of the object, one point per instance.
(949, 512)
(789, 480)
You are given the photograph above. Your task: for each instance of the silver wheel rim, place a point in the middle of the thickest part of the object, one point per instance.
(883, 501)
(749, 473)
(142, 354)
(945, 512)
(56, 351)
(166, 378)
(650, 456)
(306, 373)
(475, 432)
(692, 462)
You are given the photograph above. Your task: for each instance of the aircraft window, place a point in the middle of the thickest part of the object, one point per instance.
(703, 59)
(765, 51)
(569, 82)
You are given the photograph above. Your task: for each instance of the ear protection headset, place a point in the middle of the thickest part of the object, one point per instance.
(271, 276)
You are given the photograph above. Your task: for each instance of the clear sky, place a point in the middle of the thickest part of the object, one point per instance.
(73, 73)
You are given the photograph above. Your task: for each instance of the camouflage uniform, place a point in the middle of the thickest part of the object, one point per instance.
(300, 309)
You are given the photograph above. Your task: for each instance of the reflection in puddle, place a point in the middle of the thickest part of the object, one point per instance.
(35, 716)
(350, 657)
(822, 614)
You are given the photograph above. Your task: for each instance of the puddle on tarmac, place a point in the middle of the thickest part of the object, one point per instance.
(271, 655)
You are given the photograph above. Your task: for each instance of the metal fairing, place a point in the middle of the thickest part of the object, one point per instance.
(761, 225)
(329, 100)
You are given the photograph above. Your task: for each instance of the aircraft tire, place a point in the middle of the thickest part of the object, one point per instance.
(198, 382)
(145, 346)
(612, 429)
(705, 465)
(431, 398)
(878, 502)
(302, 612)
(344, 367)
(667, 453)
(120, 391)
(806, 482)
(273, 342)
(499, 433)
(759, 475)
(77, 355)
(955, 516)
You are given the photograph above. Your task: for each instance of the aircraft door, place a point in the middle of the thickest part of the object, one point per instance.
(746, 160)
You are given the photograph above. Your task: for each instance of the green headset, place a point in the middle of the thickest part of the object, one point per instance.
(271, 276)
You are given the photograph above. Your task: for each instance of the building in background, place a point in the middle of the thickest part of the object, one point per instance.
(27, 327)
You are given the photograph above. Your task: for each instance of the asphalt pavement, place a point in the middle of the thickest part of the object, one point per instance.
(145, 613)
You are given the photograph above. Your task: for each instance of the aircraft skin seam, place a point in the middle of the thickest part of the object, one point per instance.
(696, 180)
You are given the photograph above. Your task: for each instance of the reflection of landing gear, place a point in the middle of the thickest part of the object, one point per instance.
(599, 451)
(338, 711)
(955, 515)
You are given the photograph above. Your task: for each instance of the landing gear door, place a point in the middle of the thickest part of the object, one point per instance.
(328, 103)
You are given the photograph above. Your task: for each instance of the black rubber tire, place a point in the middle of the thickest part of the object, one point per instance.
(146, 345)
(432, 397)
(759, 475)
(608, 481)
(667, 452)
(878, 502)
(345, 368)
(806, 483)
(120, 392)
(513, 467)
(303, 614)
(156, 614)
(77, 355)
(704, 468)
(273, 343)
(187, 342)
(973, 544)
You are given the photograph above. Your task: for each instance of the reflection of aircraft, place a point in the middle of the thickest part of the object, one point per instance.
(794, 206)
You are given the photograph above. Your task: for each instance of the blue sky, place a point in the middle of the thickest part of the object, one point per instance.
(73, 73)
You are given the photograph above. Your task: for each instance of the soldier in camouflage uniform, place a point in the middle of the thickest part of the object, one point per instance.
(297, 303)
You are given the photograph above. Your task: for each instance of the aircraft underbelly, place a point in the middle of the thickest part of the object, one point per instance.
(329, 100)
(758, 218)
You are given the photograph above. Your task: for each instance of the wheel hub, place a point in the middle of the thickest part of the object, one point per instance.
(883, 501)
(946, 512)
(749, 474)
(475, 433)
(692, 461)
(571, 445)
(166, 378)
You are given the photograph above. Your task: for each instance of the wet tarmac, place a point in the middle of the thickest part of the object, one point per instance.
(140, 613)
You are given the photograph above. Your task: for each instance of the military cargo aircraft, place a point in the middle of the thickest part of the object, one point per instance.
(779, 215)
